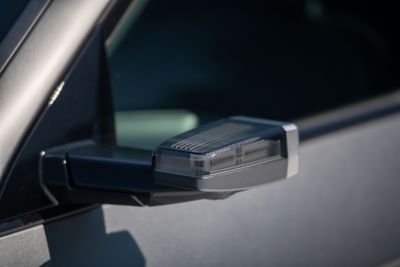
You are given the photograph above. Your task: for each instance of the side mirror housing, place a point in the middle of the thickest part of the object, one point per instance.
(213, 161)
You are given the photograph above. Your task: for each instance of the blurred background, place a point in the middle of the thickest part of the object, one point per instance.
(277, 59)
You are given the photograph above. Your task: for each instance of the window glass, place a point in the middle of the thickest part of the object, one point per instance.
(9, 12)
(276, 59)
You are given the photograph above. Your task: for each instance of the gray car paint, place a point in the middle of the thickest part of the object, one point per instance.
(25, 248)
(38, 66)
(340, 210)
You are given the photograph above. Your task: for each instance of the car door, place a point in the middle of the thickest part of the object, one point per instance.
(138, 73)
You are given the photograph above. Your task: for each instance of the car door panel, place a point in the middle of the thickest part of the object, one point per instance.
(340, 210)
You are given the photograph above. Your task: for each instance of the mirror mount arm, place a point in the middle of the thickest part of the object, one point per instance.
(212, 161)
(85, 172)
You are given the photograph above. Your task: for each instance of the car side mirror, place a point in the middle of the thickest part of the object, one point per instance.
(68, 154)
(213, 161)
(48, 165)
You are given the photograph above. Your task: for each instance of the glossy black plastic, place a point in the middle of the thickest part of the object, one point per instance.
(85, 172)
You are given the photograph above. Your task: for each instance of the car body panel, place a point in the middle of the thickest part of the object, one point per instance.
(38, 66)
(25, 248)
(340, 210)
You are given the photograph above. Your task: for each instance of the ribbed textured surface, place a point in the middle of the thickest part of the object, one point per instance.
(214, 137)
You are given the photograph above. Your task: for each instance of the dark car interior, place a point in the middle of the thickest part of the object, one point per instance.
(276, 59)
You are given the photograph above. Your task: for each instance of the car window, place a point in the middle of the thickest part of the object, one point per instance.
(274, 59)
(9, 12)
